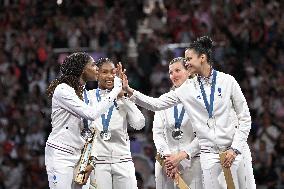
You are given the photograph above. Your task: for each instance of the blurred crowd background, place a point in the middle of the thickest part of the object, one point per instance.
(144, 35)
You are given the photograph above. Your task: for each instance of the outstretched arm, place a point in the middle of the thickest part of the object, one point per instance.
(165, 101)
(65, 97)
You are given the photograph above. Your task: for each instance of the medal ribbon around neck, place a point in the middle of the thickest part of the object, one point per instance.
(178, 119)
(209, 107)
(86, 100)
(105, 121)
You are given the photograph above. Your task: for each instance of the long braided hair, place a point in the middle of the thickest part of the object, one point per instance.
(71, 70)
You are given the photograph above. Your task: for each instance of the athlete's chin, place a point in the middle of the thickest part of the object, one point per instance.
(177, 84)
(109, 87)
(192, 72)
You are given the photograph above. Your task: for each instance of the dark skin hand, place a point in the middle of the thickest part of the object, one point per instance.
(120, 73)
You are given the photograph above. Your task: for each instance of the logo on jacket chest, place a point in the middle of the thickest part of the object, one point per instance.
(218, 93)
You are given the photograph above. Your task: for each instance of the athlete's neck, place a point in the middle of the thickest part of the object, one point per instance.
(104, 88)
(82, 81)
(206, 71)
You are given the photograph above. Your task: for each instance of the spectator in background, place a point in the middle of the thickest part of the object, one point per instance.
(29, 29)
(280, 184)
(267, 133)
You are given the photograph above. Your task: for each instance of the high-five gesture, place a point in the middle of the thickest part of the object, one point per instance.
(119, 70)
(125, 86)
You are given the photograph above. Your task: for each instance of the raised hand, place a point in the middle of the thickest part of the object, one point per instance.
(125, 84)
(119, 70)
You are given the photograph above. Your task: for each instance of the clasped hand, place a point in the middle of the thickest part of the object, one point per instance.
(171, 163)
(229, 158)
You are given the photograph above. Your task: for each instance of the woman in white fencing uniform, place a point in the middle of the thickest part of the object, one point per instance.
(64, 144)
(173, 134)
(209, 100)
(114, 167)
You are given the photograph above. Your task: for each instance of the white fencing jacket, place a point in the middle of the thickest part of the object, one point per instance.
(117, 149)
(163, 126)
(228, 98)
(67, 113)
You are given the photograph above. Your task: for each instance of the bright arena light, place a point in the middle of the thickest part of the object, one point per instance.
(59, 2)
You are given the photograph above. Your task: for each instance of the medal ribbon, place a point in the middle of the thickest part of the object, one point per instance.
(85, 121)
(209, 107)
(178, 119)
(105, 121)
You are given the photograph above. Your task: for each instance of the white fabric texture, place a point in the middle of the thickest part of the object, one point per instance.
(232, 118)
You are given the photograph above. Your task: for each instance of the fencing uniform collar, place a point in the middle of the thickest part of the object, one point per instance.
(104, 91)
(207, 80)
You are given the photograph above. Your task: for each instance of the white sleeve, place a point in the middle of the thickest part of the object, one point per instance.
(192, 149)
(243, 114)
(134, 116)
(159, 135)
(165, 101)
(67, 99)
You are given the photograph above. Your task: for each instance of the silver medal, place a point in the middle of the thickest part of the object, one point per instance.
(177, 134)
(211, 122)
(105, 135)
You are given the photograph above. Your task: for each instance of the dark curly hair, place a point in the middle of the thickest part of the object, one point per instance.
(102, 61)
(71, 70)
(203, 45)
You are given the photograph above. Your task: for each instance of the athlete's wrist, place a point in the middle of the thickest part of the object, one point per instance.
(183, 155)
(236, 151)
(129, 91)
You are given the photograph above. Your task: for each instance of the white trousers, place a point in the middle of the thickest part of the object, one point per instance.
(60, 168)
(191, 175)
(114, 176)
(241, 169)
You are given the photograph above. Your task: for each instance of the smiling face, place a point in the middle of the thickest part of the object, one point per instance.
(178, 73)
(106, 76)
(194, 61)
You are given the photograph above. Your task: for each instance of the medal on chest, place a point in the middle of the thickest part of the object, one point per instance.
(105, 134)
(211, 122)
(86, 133)
(177, 133)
